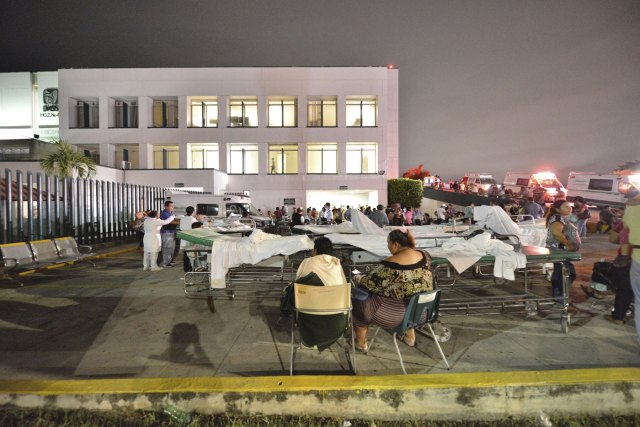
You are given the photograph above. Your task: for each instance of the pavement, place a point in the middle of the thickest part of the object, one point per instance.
(115, 321)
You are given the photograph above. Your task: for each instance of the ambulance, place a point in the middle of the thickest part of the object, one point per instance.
(215, 206)
(547, 181)
(601, 189)
(484, 180)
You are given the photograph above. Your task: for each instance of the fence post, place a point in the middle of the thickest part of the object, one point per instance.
(8, 179)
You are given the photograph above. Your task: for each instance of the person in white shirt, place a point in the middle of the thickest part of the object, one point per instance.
(152, 241)
(441, 213)
(185, 224)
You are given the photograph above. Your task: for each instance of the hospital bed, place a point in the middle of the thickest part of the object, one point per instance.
(263, 279)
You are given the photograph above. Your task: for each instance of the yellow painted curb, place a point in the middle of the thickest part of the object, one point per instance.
(322, 383)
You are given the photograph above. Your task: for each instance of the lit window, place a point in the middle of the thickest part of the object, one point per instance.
(322, 158)
(165, 157)
(283, 112)
(204, 113)
(243, 159)
(243, 111)
(165, 113)
(361, 158)
(322, 112)
(205, 156)
(361, 111)
(283, 159)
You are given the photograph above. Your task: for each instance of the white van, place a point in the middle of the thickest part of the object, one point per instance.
(553, 189)
(215, 206)
(484, 180)
(601, 189)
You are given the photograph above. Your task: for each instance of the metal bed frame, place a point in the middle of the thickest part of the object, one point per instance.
(460, 300)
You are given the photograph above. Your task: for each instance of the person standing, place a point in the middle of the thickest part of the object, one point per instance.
(379, 217)
(631, 220)
(168, 234)
(533, 209)
(185, 224)
(557, 220)
(152, 240)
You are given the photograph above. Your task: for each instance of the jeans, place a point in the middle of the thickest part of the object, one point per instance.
(168, 247)
(635, 287)
(556, 279)
(582, 227)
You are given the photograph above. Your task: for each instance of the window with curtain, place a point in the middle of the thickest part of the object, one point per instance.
(204, 113)
(243, 159)
(165, 113)
(322, 158)
(205, 156)
(243, 111)
(361, 158)
(322, 112)
(283, 159)
(361, 111)
(283, 112)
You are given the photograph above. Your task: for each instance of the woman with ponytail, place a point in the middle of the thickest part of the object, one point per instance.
(559, 229)
(404, 273)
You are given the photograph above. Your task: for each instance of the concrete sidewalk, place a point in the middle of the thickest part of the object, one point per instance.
(116, 321)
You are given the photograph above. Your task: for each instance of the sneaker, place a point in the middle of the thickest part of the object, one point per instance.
(171, 264)
(156, 268)
(612, 319)
(145, 268)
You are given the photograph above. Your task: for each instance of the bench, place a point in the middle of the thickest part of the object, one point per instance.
(39, 254)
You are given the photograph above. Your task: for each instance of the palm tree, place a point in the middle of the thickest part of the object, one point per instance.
(66, 160)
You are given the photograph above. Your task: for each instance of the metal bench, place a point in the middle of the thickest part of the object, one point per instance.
(69, 250)
(39, 254)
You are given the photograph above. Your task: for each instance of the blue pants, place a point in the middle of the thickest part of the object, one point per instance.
(556, 277)
(168, 247)
(635, 287)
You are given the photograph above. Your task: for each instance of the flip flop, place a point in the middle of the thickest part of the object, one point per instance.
(364, 349)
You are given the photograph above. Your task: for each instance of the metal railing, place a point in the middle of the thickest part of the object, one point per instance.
(39, 206)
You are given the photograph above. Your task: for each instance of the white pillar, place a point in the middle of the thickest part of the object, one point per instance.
(146, 155)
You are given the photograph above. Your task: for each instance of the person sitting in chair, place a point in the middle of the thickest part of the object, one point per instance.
(406, 272)
(326, 267)
(321, 269)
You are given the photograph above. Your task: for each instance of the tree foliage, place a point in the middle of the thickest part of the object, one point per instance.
(416, 173)
(66, 160)
(407, 192)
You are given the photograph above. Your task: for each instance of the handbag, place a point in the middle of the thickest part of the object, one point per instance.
(360, 294)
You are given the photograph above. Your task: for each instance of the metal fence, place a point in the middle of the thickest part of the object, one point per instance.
(39, 206)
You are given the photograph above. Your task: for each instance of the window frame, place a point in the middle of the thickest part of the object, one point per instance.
(322, 150)
(282, 150)
(361, 101)
(243, 103)
(204, 103)
(282, 103)
(334, 103)
(204, 152)
(244, 160)
(362, 150)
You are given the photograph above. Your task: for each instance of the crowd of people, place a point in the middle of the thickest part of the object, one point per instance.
(407, 270)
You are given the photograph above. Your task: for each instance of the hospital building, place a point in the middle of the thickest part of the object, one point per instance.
(299, 136)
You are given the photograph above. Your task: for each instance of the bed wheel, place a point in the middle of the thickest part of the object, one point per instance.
(499, 280)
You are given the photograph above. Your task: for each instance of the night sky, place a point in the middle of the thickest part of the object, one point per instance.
(485, 86)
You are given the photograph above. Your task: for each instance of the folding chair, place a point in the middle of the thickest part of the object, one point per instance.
(418, 304)
(322, 301)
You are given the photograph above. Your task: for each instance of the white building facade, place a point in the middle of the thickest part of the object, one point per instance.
(295, 136)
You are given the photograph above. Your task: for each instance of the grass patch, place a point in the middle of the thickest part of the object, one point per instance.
(10, 417)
